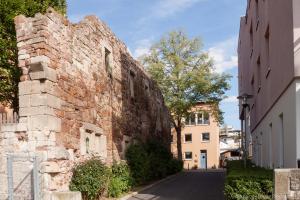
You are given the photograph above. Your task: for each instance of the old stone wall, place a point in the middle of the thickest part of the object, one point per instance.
(286, 184)
(81, 95)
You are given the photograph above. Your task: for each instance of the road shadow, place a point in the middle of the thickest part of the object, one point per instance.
(188, 185)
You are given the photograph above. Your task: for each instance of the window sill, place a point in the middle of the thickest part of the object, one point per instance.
(188, 159)
(187, 142)
(189, 125)
(208, 141)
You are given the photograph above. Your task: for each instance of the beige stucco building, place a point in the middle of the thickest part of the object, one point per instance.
(200, 139)
(269, 69)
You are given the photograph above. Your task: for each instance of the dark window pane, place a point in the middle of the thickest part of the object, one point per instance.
(188, 155)
(205, 136)
(193, 119)
(188, 138)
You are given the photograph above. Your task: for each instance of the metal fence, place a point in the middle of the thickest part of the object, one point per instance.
(22, 177)
(9, 118)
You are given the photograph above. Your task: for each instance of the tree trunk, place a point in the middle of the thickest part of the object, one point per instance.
(179, 149)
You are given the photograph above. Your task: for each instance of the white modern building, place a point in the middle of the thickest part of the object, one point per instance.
(269, 70)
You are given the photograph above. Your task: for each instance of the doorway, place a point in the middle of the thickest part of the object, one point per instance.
(203, 159)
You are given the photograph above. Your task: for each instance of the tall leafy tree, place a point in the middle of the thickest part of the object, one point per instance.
(9, 71)
(185, 75)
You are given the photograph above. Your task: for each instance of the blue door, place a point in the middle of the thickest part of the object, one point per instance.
(203, 159)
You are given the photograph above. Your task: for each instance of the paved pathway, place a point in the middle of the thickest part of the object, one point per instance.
(191, 185)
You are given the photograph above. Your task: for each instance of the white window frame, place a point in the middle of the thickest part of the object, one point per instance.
(188, 158)
(202, 118)
(202, 136)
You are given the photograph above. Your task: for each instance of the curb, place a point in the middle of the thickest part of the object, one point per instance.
(148, 186)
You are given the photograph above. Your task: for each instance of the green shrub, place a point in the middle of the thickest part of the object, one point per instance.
(151, 161)
(250, 183)
(121, 180)
(138, 162)
(175, 166)
(159, 157)
(90, 178)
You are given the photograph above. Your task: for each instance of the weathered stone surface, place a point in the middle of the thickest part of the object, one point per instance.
(66, 196)
(286, 184)
(81, 95)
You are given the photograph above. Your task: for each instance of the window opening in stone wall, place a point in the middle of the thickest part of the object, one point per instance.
(87, 145)
(108, 67)
(131, 84)
(97, 143)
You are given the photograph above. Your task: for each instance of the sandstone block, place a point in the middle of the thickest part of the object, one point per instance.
(58, 153)
(21, 127)
(24, 101)
(41, 71)
(24, 88)
(44, 122)
(8, 127)
(38, 110)
(49, 167)
(39, 59)
(66, 196)
(281, 179)
(38, 99)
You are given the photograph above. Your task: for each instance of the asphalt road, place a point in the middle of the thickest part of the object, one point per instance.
(191, 185)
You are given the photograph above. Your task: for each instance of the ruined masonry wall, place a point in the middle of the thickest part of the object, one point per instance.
(72, 105)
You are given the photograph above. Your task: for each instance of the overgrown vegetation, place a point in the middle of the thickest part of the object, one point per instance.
(9, 71)
(250, 183)
(91, 179)
(146, 162)
(121, 180)
(151, 161)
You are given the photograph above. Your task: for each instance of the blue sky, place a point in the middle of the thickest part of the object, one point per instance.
(140, 23)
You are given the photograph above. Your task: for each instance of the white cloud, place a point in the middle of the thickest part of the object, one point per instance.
(167, 8)
(224, 55)
(142, 47)
(230, 99)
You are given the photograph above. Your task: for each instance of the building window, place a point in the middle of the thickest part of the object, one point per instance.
(203, 118)
(267, 50)
(190, 119)
(251, 39)
(188, 155)
(108, 67)
(258, 75)
(205, 137)
(257, 10)
(188, 137)
(131, 84)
